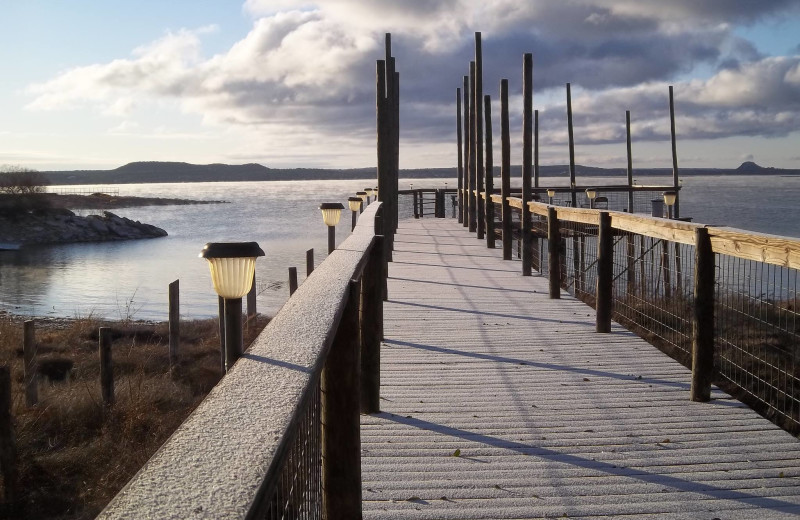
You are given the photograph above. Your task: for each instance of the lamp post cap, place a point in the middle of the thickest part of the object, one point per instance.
(231, 250)
(354, 199)
(331, 205)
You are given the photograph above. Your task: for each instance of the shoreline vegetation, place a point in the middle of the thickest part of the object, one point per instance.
(47, 218)
(73, 453)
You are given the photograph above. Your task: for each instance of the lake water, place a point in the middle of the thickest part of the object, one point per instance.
(129, 279)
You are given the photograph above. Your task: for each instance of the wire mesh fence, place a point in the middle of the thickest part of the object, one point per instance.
(297, 490)
(757, 338)
(578, 259)
(653, 291)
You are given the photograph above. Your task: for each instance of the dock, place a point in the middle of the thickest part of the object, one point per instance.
(497, 402)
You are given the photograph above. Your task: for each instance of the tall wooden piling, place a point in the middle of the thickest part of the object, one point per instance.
(505, 171)
(630, 160)
(467, 139)
(535, 148)
(571, 147)
(488, 171)
(383, 140)
(31, 376)
(175, 322)
(675, 180)
(479, 168)
(106, 367)
(473, 204)
(527, 142)
(460, 155)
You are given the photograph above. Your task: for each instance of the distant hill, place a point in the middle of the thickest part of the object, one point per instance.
(155, 172)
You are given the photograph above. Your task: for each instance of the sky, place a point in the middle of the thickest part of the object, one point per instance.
(291, 83)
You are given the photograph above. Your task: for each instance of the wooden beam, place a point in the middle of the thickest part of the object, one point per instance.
(771, 249)
(665, 229)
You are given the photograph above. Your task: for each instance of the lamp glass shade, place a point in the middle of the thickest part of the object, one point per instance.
(368, 191)
(551, 192)
(591, 193)
(669, 198)
(232, 277)
(354, 203)
(331, 212)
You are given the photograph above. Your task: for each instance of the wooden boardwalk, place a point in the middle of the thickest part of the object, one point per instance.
(500, 403)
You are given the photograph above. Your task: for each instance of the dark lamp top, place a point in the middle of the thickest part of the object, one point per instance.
(361, 193)
(231, 250)
(331, 205)
(354, 199)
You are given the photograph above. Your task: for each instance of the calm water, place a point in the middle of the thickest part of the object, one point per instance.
(129, 279)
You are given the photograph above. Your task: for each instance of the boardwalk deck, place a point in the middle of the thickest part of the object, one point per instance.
(500, 403)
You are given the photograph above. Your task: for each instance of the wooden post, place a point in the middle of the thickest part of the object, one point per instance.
(29, 356)
(489, 171)
(233, 331)
(384, 136)
(106, 367)
(251, 298)
(415, 203)
(467, 140)
(630, 160)
(372, 328)
(535, 148)
(473, 203)
(571, 147)
(310, 262)
(174, 322)
(421, 203)
(8, 442)
(221, 314)
(292, 280)
(505, 172)
(341, 442)
(703, 318)
(553, 256)
(675, 174)
(527, 141)
(479, 173)
(460, 156)
(605, 272)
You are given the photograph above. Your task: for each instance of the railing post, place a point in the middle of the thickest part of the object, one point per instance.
(8, 444)
(605, 272)
(174, 322)
(372, 328)
(703, 318)
(29, 355)
(106, 367)
(553, 256)
(341, 441)
(416, 204)
(292, 280)
(309, 262)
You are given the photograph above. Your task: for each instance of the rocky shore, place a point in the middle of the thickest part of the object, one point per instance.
(60, 226)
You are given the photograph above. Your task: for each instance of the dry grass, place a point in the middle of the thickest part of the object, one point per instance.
(74, 455)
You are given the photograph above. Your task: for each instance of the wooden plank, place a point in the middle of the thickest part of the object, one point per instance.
(584, 216)
(538, 208)
(772, 249)
(515, 202)
(664, 229)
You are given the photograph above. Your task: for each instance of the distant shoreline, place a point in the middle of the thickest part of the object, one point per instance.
(174, 172)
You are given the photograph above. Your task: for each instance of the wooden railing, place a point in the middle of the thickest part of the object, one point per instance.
(722, 301)
(279, 436)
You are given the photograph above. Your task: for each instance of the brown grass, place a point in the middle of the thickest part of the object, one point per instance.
(74, 456)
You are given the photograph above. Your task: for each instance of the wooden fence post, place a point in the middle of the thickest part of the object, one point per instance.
(8, 443)
(505, 172)
(605, 273)
(703, 318)
(473, 203)
(527, 159)
(292, 280)
(251, 298)
(460, 156)
(106, 367)
(465, 93)
(477, 100)
(553, 256)
(372, 328)
(29, 355)
(221, 313)
(174, 322)
(341, 438)
(416, 204)
(309, 262)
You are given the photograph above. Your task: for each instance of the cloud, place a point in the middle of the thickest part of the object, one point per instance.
(305, 71)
